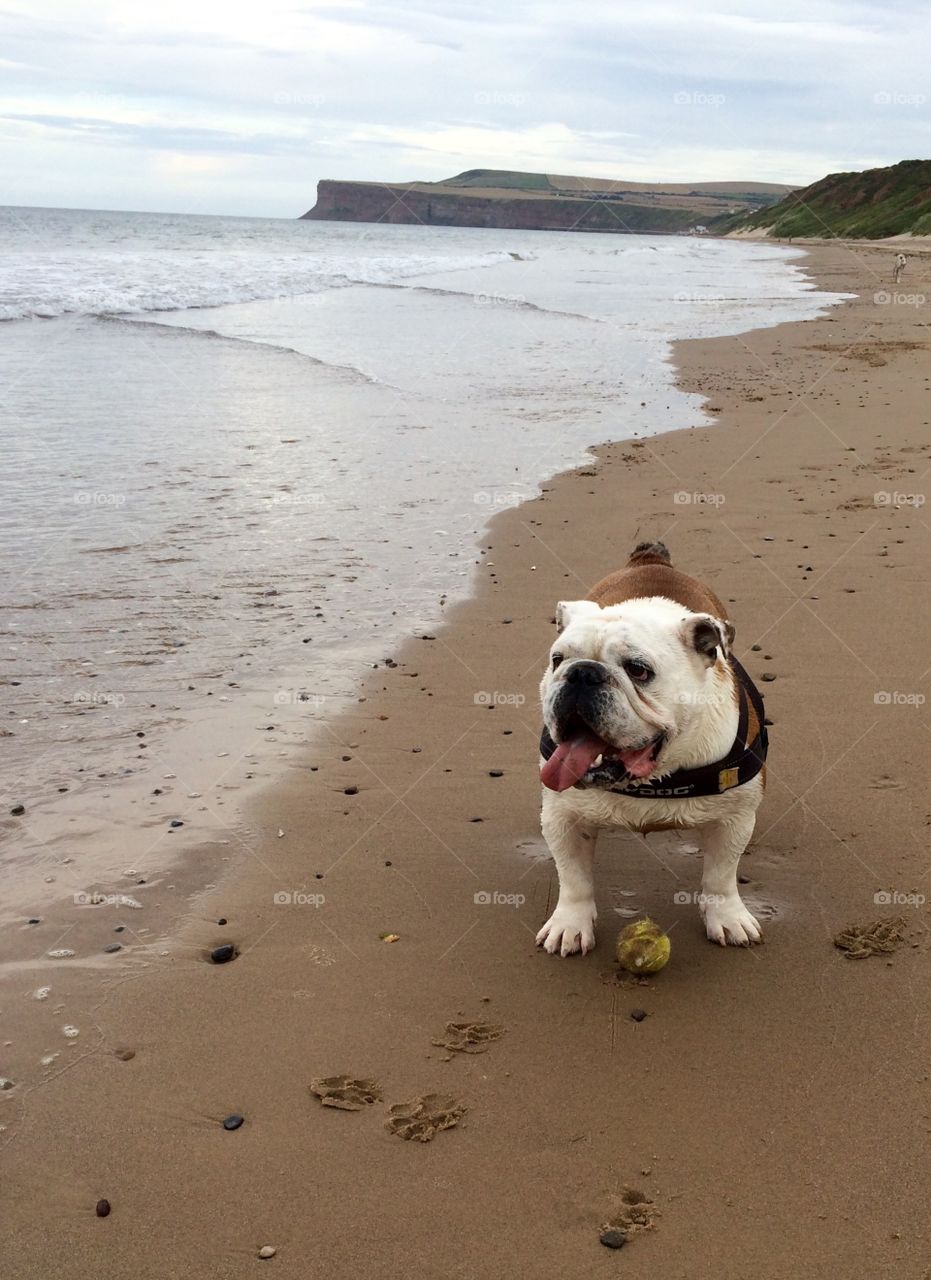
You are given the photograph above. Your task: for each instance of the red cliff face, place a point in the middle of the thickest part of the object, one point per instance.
(371, 202)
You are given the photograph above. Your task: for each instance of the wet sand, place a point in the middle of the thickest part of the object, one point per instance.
(769, 1115)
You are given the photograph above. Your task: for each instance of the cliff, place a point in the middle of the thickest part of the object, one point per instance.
(527, 201)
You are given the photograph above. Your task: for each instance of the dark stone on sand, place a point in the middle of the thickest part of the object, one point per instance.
(124, 1055)
(388, 864)
(17, 810)
(102, 1209)
(33, 920)
(350, 791)
(176, 822)
(233, 1122)
(767, 676)
(224, 954)
(157, 791)
(222, 920)
(119, 928)
(743, 879)
(638, 1015)
(112, 947)
(756, 648)
(476, 819)
(766, 720)
(496, 773)
(613, 1239)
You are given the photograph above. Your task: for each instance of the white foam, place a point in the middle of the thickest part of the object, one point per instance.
(73, 261)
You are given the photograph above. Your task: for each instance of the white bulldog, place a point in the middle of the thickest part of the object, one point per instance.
(650, 724)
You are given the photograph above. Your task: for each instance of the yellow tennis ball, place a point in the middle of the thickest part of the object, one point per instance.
(643, 947)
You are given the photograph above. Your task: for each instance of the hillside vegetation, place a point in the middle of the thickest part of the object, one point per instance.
(869, 205)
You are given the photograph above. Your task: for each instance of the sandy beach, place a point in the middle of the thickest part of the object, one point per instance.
(768, 1116)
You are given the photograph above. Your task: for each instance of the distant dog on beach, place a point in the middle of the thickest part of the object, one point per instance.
(650, 724)
(901, 262)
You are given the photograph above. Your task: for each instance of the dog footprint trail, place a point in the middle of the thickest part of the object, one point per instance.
(421, 1119)
(346, 1093)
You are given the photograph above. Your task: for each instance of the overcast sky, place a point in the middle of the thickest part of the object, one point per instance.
(221, 106)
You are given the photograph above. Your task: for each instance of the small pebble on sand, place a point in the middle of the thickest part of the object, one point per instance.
(267, 1251)
(233, 1122)
(223, 955)
(102, 1208)
(613, 1239)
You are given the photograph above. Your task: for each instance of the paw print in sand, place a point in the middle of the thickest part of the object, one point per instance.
(423, 1118)
(469, 1037)
(347, 1093)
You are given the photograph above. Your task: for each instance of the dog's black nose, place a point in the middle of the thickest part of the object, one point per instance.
(589, 673)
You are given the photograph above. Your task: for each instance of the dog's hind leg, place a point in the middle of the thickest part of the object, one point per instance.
(726, 918)
(571, 841)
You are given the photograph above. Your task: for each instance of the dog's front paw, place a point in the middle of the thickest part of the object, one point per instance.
(569, 929)
(727, 920)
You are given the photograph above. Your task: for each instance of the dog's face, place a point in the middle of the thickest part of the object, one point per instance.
(624, 681)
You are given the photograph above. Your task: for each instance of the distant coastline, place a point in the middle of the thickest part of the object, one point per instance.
(541, 202)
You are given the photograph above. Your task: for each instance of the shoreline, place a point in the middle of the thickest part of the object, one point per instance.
(697, 1107)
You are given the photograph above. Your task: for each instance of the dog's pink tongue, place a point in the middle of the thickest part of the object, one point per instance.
(638, 763)
(570, 761)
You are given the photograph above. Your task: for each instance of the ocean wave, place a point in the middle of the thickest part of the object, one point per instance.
(51, 284)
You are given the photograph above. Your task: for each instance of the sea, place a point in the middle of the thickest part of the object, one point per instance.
(243, 458)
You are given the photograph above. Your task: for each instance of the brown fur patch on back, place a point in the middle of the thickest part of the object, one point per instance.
(655, 578)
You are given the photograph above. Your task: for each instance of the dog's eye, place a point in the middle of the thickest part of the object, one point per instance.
(639, 672)
(557, 659)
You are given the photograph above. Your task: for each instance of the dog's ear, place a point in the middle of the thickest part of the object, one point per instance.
(708, 636)
(571, 610)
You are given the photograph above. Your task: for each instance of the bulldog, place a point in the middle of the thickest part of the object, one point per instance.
(650, 724)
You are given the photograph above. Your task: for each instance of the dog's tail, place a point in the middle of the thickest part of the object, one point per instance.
(649, 553)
